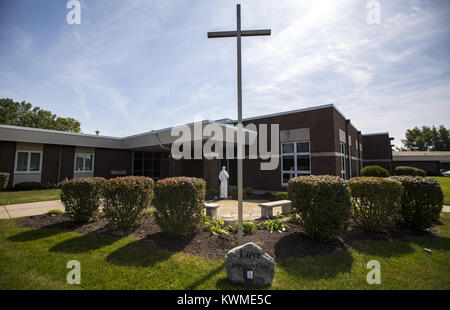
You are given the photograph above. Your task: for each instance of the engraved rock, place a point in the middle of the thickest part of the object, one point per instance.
(249, 257)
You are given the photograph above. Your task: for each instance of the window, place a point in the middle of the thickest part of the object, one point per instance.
(28, 161)
(147, 164)
(295, 160)
(84, 162)
(342, 159)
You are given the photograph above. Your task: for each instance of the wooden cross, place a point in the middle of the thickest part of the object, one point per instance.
(238, 34)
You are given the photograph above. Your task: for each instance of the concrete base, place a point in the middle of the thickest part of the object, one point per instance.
(211, 210)
(266, 212)
(285, 210)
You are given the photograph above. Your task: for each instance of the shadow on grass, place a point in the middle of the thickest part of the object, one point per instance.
(35, 234)
(395, 243)
(149, 251)
(317, 267)
(298, 244)
(385, 249)
(210, 274)
(84, 243)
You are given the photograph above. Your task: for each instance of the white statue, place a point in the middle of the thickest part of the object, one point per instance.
(223, 177)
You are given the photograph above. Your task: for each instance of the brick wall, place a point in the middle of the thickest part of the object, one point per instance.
(7, 158)
(50, 164)
(107, 160)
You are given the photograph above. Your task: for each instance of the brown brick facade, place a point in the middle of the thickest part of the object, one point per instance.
(325, 125)
(377, 151)
(50, 164)
(7, 159)
(107, 161)
(67, 162)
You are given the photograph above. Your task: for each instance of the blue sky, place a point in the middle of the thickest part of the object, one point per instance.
(132, 66)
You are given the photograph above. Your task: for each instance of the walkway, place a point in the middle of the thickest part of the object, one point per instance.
(27, 209)
(227, 210)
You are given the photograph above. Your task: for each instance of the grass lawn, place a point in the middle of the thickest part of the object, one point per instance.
(37, 258)
(8, 198)
(444, 182)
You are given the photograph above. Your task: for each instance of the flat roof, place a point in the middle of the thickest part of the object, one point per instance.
(421, 156)
(151, 138)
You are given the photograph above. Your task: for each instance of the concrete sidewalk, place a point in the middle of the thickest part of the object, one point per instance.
(27, 209)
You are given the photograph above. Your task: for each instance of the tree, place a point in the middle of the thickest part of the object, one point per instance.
(25, 115)
(427, 139)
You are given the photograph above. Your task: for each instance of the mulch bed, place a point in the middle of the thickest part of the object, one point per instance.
(290, 244)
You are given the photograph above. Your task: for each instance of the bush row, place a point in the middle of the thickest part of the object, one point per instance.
(178, 201)
(326, 204)
(377, 171)
(411, 171)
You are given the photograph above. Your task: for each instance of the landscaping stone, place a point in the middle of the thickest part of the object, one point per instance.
(249, 257)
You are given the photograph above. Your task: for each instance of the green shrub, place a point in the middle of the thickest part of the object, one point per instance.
(81, 198)
(148, 212)
(374, 171)
(4, 179)
(411, 171)
(422, 201)
(268, 194)
(217, 227)
(212, 193)
(233, 192)
(51, 186)
(248, 191)
(26, 186)
(54, 212)
(281, 196)
(273, 225)
(179, 203)
(293, 218)
(247, 228)
(126, 200)
(323, 204)
(376, 202)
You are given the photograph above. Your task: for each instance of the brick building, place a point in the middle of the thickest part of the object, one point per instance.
(316, 140)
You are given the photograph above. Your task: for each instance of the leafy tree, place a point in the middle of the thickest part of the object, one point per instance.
(427, 139)
(25, 115)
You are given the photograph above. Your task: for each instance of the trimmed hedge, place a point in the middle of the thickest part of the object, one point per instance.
(374, 171)
(233, 192)
(4, 179)
(323, 204)
(422, 201)
(282, 196)
(248, 191)
(179, 205)
(212, 193)
(81, 198)
(411, 171)
(26, 186)
(376, 202)
(126, 199)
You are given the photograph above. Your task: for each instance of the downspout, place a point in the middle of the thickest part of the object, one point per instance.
(59, 164)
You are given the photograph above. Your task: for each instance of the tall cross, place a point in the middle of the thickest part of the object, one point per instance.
(238, 34)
